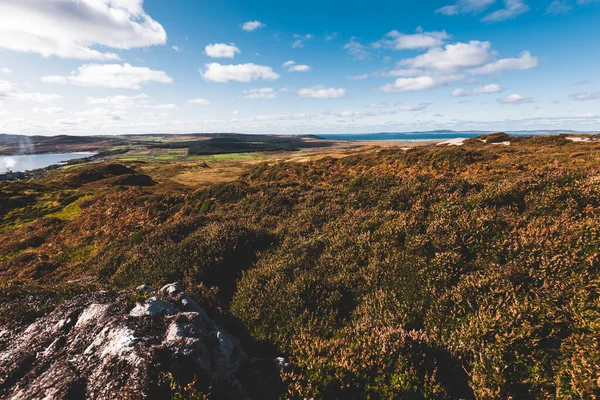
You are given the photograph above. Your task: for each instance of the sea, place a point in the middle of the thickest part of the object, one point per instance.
(429, 135)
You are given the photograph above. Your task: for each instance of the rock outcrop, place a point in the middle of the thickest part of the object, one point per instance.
(106, 346)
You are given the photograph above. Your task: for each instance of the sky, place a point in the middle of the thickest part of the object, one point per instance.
(132, 66)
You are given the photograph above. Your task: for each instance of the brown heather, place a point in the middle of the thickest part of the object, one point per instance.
(437, 272)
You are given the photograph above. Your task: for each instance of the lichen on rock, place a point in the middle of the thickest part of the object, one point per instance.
(102, 346)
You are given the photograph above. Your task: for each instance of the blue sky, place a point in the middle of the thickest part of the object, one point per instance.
(133, 66)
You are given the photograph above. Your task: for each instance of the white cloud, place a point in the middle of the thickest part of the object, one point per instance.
(241, 73)
(418, 107)
(6, 71)
(512, 9)
(299, 68)
(525, 61)
(466, 7)
(260, 93)
(120, 101)
(515, 99)
(357, 77)
(402, 72)
(322, 92)
(395, 40)
(251, 26)
(291, 66)
(400, 106)
(300, 39)
(419, 83)
(452, 56)
(71, 28)
(585, 96)
(475, 57)
(8, 90)
(381, 109)
(176, 48)
(492, 88)
(356, 50)
(199, 100)
(38, 97)
(222, 50)
(169, 106)
(330, 36)
(559, 7)
(48, 110)
(361, 115)
(123, 76)
(386, 104)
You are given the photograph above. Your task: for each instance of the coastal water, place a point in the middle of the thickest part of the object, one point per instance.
(27, 162)
(431, 135)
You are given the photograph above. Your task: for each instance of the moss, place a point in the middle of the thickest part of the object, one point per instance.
(71, 211)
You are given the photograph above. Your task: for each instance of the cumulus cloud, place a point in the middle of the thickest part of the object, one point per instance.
(512, 9)
(515, 99)
(9, 90)
(440, 66)
(199, 100)
(585, 96)
(260, 93)
(321, 92)
(452, 56)
(475, 57)
(221, 50)
(6, 71)
(419, 83)
(291, 66)
(356, 50)
(493, 88)
(240, 72)
(300, 39)
(123, 76)
(251, 26)
(525, 61)
(72, 28)
(395, 40)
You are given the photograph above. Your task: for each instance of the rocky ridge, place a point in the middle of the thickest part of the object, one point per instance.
(105, 346)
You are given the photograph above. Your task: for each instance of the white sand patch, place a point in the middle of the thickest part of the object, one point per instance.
(579, 139)
(453, 142)
(507, 143)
